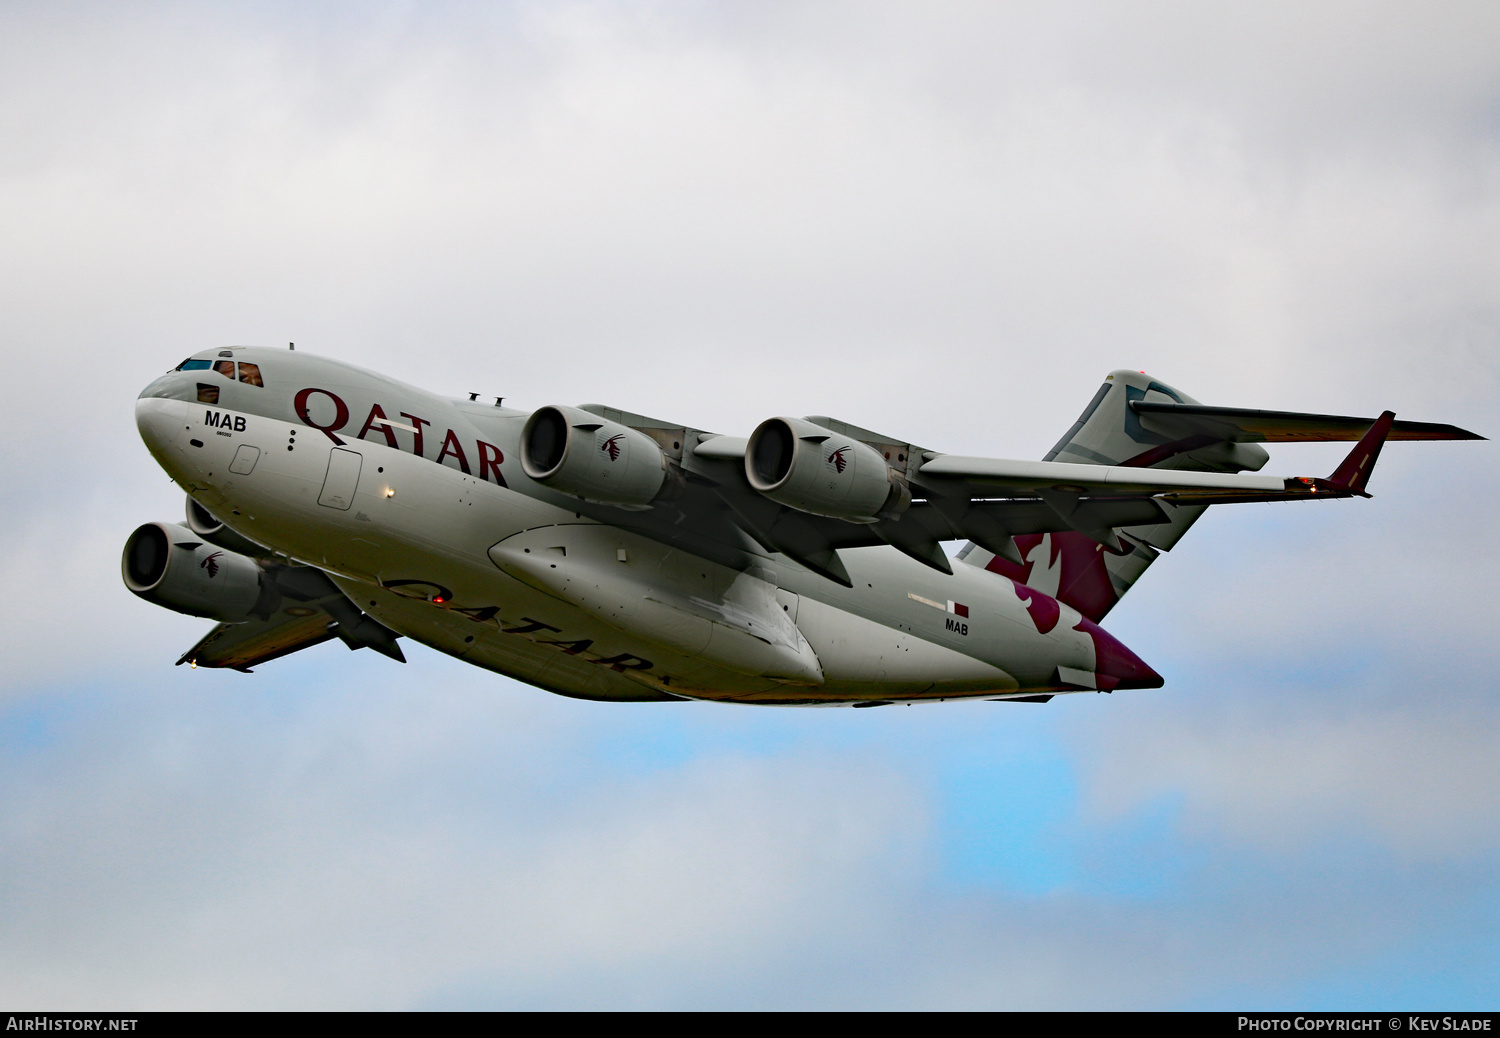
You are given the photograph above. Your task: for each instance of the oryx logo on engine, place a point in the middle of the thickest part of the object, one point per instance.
(839, 458)
(611, 446)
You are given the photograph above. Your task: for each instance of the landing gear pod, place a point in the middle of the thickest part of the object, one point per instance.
(813, 469)
(169, 565)
(579, 453)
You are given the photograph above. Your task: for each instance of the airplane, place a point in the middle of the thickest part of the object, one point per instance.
(605, 555)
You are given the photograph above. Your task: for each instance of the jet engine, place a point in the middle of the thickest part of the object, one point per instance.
(169, 565)
(207, 526)
(579, 453)
(813, 469)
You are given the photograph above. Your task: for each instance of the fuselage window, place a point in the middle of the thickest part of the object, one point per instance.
(225, 368)
(194, 365)
(250, 374)
(207, 394)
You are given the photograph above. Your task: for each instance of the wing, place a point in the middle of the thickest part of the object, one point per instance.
(1245, 425)
(986, 500)
(242, 646)
(313, 610)
(990, 501)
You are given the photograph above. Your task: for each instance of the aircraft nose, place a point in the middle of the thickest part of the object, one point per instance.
(159, 420)
(1116, 666)
(171, 386)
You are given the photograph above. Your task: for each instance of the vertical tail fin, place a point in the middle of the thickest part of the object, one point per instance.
(1072, 567)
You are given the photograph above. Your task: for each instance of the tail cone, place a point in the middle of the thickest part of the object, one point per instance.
(1116, 666)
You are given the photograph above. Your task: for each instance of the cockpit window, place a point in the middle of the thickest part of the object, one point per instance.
(194, 365)
(250, 374)
(225, 368)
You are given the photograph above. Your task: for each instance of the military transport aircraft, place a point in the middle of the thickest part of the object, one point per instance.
(606, 555)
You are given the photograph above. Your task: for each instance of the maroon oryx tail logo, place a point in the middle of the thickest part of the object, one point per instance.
(211, 564)
(839, 458)
(611, 446)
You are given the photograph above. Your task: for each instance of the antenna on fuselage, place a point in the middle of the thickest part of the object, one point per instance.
(473, 397)
(291, 345)
(499, 400)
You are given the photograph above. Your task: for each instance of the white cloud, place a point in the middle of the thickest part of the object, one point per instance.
(1422, 781)
(376, 840)
(382, 843)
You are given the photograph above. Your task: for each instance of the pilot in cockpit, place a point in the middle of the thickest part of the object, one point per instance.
(248, 374)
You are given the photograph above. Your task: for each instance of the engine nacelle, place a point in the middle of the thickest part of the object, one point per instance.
(169, 565)
(579, 453)
(208, 527)
(813, 469)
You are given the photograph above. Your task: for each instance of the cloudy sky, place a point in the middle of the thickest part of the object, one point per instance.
(943, 220)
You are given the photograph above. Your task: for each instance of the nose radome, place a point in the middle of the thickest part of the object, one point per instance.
(159, 421)
(1116, 666)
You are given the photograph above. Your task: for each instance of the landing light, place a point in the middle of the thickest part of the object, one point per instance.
(389, 492)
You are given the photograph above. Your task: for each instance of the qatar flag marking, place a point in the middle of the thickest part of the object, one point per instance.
(956, 608)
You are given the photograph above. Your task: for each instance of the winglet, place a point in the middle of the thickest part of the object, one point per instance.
(1354, 472)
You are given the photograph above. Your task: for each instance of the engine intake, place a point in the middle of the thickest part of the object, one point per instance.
(579, 453)
(169, 565)
(813, 469)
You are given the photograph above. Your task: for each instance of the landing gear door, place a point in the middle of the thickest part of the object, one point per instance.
(342, 479)
(788, 603)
